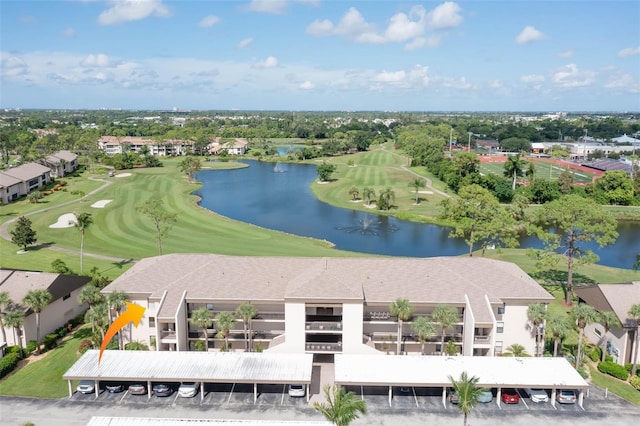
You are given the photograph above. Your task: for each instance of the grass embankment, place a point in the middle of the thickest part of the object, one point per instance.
(618, 387)
(43, 378)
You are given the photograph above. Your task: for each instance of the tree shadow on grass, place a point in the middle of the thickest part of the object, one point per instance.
(83, 333)
(41, 246)
(555, 277)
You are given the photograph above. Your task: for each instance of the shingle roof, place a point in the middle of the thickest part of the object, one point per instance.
(27, 171)
(381, 280)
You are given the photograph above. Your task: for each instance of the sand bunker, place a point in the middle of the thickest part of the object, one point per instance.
(123, 175)
(100, 204)
(65, 221)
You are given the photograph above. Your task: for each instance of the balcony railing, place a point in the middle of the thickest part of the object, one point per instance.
(323, 347)
(168, 334)
(324, 325)
(482, 339)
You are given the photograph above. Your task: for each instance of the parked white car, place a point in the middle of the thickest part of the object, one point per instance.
(296, 390)
(188, 389)
(537, 395)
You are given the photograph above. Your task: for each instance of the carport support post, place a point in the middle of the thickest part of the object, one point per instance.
(581, 398)
(97, 388)
(201, 391)
(553, 397)
(255, 392)
(390, 394)
(307, 385)
(70, 388)
(149, 389)
(499, 397)
(444, 397)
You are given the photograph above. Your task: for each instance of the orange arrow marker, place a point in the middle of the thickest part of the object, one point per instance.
(133, 313)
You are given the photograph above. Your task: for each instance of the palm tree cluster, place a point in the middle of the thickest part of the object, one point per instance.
(224, 321)
(445, 316)
(13, 314)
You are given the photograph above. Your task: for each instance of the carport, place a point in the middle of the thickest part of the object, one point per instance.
(434, 371)
(204, 367)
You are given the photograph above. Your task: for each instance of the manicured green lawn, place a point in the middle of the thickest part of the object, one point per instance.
(43, 378)
(620, 388)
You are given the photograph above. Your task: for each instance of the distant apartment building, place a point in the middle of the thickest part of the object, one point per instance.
(332, 305)
(63, 307)
(112, 145)
(237, 146)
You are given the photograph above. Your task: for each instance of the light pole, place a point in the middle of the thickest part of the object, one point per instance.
(469, 143)
(585, 145)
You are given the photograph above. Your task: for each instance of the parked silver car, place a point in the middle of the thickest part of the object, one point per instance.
(566, 396)
(188, 389)
(86, 386)
(537, 395)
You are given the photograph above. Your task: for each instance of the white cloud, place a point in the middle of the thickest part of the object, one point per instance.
(419, 42)
(530, 34)
(456, 83)
(532, 78)
(570, 76)
(267, 6)
(414, 78)
(270, 62)
(402, 27)
(494, 84)
(132, 10)
(69, 33)
(12, 66)
(390, 77)
(245, 43)
(307, 85)
(622, 80)
(209, 21)
(566, 54)
(99, 60)
(446, 15)
(629, 51)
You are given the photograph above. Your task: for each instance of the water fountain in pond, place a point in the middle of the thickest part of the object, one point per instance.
(278, 168)
(368, 226)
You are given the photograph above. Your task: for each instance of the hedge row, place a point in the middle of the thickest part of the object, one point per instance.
(8, 363)
(613, 369)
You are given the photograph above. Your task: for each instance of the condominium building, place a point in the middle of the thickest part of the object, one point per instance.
(332, 305)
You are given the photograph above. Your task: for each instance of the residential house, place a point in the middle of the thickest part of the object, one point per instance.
(64, 304)
(617, 298)
(61, 163)
(332, 305)
(237, 146)
(19, 181)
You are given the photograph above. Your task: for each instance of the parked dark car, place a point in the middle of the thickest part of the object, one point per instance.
(137, 389)
(114, 387)
(510, 396)
(160, 389)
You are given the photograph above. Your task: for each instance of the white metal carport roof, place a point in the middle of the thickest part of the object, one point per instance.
(210, 367)
(434, 371)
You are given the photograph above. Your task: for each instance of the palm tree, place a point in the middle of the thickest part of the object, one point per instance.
(446, 316)
(425, 330)
(5, 302)
(402, 309)
(341, 407)
(224, 322)
(514, 168)
(531, 170)
(116, 301)
(557, 326)
(82, 222)
(516, 350)
(15, 319)
(368, 193)
(353, 191)
(537, 313)
(37, 300)
(417, 183)
(247, 312)
(386, 197)
(98, 316)
(468, 392)
(634, 312)
(608, 319)
(584, 315)
(202, 317)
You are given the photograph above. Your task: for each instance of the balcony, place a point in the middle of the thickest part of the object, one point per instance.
(167, 335)
(323, 347)
(324, 325)
(482, 339)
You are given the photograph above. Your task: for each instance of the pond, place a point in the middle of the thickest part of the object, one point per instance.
(277, 196)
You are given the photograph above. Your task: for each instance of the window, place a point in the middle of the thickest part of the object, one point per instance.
(498, 348)
(210, 306)
(597, 332)
(152, 322)
(501, 310)
(66, 296)
(500, 327)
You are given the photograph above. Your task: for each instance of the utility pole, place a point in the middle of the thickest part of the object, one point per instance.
(450, 142)
(469, 143)
(585, 145)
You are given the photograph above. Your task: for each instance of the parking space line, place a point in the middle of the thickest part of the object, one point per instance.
(233, 386)
(122, 398)
(522, 399)
(284, 388)
(415, 397)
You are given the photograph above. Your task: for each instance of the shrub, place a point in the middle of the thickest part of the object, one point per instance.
(61, 331)
(613, 369)
(50, 341)
(31, 346)
(8, 363)
(583, 372)
(595, 354)
(635, 382)
(85, 345)
(15, 349)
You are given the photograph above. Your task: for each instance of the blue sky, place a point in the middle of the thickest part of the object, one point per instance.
(321, 55)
